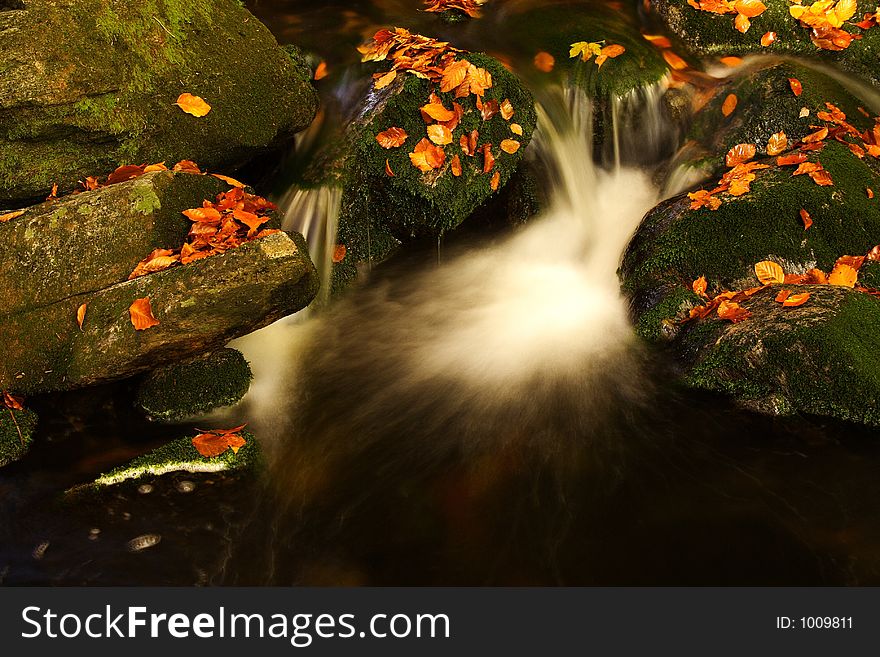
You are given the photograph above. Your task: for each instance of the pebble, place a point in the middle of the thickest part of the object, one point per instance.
(186, 487)
(143, 542)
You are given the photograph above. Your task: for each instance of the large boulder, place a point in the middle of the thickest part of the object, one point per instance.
(809, 358)
(711, 34)
(80, 250)
(87, 85)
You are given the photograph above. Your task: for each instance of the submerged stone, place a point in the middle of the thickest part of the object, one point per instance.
(183, 390)
(89, 85)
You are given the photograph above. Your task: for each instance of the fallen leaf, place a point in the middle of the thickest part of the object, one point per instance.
(742, 23)
(81, 315)
(141, 314)
(732, 312)
(321, 71)
(794, 158)
(509, 146)
(496, 180)
(740, 154)
(699, 286)
(214, 443)
(768, 39)
(427, 156)
(339, 252)
(777, 143)
(384, 80)
(769, 272)
(488, 158)
(388, 170)
(817, 136)
(392, 137)
(11, 215)
(805, 217)
(543, 61)
(437, 112)
(186, 166)
(731, 62)
(675, 62)
(150, 168)
(515, 128)
(455, 166)
(202, 215)
(843, 275)
(506, 109)
(796, 87)
(783, 295)
(123, 173)
(796, 300)
(12, 402)
(868, 190)
(227, 179)
(439, 134)
(729, 105)
(192, 104)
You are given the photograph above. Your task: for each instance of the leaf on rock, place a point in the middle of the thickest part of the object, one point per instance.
(193, 105)
(699, 286)
(141, 313)
(796, 88)
(768, 39)
(392, 137)
(496, 180)
(214, 443)
(437, 112)
(11, 215)
(228, 180)
(509, 146)
(740, 154)
(805, 217)
(769, 272)
(795, 300)
(777, 143)
(843, 275)
(729, 105)
(455, 166)
(427, 157)
(732, 312)
(339, 252)
(81, 315)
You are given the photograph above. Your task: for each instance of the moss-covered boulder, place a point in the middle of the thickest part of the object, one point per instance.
(820, 358)
(766, 105)
(200, 307)
(706, 33)
(85, 242)
(86, 85)
(184, 390)
(16, 433)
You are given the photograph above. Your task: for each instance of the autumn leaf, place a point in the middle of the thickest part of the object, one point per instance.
(384, 80)
(732, 312)
(768, 39)
(439, 134)
(675, 62)
(488, 158)
(507, 110)
(202, 215)
(151, 168)
(796, 87)
(321, 71)
(788, 160)
(488, 109)
(795, 300)
(516, 129)
(742, 23)
(214, 443)
(750, 8)
(658, 40)
(805, 217)
(427, 156)
(777, 143)
(704, 199)
(740, 154)
(455, 166)
(228, 180)
(81, 315)
(783, 295)
(769, 272)
(843, 275)
(585, 50)
(699, 286)
(454, 75)
(729, 105)
(192, 104)
(388, 171)
(509, 146)
(249, 219)
(544, 62)
(186, 166)
(817, 136)
(125, 172)
(437, 112)
(141, 314)
(158, 260)
(339, 252)
(868, 191)
(731, 61)
(11, 215)
(609, 52)
(496, 180)
(392, 137)
(12, 402)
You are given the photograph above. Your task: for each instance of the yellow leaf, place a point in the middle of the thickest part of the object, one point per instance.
(509, 146)
(843, 275)
(81, 315)
(769, 272)
(516, 129)
(439, 134)
(192, 104)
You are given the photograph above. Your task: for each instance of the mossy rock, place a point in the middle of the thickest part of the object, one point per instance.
(87, 85)
(181, 456)
(704, 33)
(16, 434)
(820, 358)
(184, 390)
(675, 245)
(766, 105)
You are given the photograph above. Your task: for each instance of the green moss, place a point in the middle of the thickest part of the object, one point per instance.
(181, 456)
(16, 434)
(705, 33)
(188, 389)
(869, 274)
(654, 324)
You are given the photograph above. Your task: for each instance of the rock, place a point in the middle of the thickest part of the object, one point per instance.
(810, 359)
(765, 105)
(704, 33)
(89, 85)
(200, 307)
(86, 242)
(190, 388)
(179, 456)
(820, 358)
(16, 434)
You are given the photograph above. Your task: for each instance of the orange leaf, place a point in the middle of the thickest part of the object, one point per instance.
(796, 300)
(488, 158)
(777, 143)
(794, 158)
(384, 80)
(843, 275)
(496, 180)
(740, 154)
(729, 105)
(227, 179)
(742, 23)
(439, 134)
(509, 146)
(817, 136)
(11, 215)
(392, 137)
(675, 62)
(455, 165)
(123, 173)
(150, 168)
(796, 87)
(427, 157)
(437, 112)
(454, 75)
(507, 110)
(186, 166)
(202, 215)
(769, 272)
(768, 39)
(544, 62)
(805, 217)
(516, 129)
(783, 295)
(321, 71)
(699, 286)
(868, 191)
(12, 402)
(339, 253)
(731, 62)
(81, 315)
(732, 312)
(249, 219)
(750, 8)
(388, 171)
(214, 443)
(192, 104)
(141, 314)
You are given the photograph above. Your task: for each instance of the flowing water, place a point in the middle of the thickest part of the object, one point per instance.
(484, 416)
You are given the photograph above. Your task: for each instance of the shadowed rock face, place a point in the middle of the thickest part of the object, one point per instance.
(86, 86)
(81, 249)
